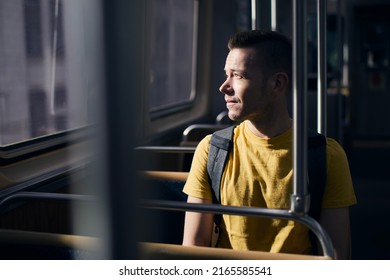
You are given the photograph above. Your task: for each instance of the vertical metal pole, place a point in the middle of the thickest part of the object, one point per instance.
(273, 15)
(339, 74)
(253, 13)
(322, 68)
(299, 199)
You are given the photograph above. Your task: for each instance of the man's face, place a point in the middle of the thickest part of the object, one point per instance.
(246, 87)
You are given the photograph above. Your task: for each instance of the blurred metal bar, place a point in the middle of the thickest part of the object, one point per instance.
(124, 85)
(299, 199)
(322, 67)
(311, 223)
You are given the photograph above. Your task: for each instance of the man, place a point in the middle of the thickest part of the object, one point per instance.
(258, 172)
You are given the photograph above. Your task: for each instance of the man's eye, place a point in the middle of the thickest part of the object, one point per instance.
(236, 75)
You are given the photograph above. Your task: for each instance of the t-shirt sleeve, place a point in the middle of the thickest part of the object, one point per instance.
(197, 184)
(339, 190)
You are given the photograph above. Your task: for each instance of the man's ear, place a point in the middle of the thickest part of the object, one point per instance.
(280, 82)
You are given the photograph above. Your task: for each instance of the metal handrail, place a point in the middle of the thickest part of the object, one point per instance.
(44, 195)
(311, 223)
(205, 126)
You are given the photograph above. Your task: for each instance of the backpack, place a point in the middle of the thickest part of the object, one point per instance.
(222, 143)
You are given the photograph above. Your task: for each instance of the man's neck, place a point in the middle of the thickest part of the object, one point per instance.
(269, 131)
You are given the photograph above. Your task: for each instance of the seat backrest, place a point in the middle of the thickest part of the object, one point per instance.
(42, 211)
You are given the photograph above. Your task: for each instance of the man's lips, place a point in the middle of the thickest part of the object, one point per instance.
(230, 102)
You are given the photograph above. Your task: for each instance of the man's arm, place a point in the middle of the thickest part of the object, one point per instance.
(336, 223)
(198, 226)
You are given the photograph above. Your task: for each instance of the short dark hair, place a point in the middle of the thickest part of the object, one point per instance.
(273, 48)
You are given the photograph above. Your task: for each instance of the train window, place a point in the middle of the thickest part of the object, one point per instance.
(172, 38)
(50, 66)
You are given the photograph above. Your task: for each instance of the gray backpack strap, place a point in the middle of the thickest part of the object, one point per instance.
(220, 146)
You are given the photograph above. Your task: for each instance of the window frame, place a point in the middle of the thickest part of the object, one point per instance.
(15, 152)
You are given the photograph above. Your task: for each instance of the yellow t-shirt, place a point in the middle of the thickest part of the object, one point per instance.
(259, 174)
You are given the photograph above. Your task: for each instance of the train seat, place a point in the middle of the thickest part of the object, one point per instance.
(163, 226)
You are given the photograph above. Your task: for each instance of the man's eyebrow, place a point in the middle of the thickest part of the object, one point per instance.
(234, 70)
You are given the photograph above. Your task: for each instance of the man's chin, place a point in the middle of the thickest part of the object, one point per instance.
(235, 117)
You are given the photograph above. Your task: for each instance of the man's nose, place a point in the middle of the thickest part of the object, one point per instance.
(225, 87)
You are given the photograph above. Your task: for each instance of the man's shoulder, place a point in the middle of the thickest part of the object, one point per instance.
(204, 144)
(333, 145)
(335, 152)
